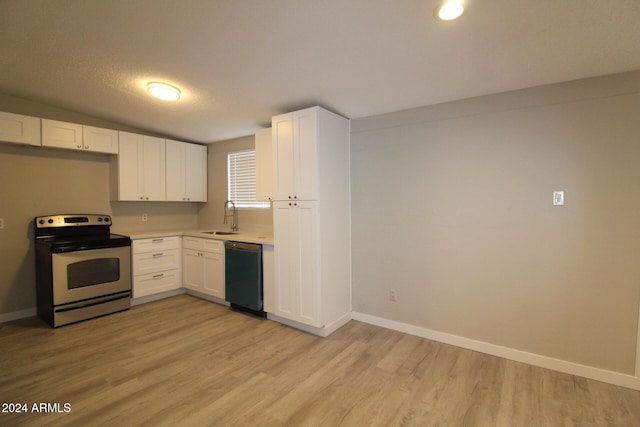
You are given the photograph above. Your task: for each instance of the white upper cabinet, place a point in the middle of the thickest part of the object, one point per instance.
(295, 155)
(61, 134)
(78, 137)
(264, 165)
(140, 168)
(100, 140)
(19, 129)
(186, 171)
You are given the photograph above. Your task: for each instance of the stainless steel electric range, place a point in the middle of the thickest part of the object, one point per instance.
(82, 269)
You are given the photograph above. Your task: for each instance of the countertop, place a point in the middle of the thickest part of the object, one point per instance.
(241, 236)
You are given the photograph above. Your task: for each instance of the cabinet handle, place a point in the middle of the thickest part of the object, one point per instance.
(158, 240)
(147, 198)
(158, 276)
(86, 147)
(158, 254)
(79, 146)
(141, 198)
(289, 197)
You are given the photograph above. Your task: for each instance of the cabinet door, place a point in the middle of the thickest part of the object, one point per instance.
(61, 134)
(175, 174)
(264, 165)
(213, 274)
(286, 260)
(100, 140)
(296, 256)
(19, 129)
(130, 176)
(308, 279)
(153, 168)
(282, 140)
(195, 172)
(305, 145)
(193, 269)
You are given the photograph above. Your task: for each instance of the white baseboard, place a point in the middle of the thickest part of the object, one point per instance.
(206, 297)
(155, 297)
(324, 331)
(590, 372)
(8, 317)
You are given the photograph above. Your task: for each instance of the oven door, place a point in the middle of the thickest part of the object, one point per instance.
(85, 274)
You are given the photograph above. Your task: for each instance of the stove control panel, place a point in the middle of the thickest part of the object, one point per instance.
(73, 220)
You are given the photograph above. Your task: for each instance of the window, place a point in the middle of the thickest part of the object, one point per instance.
(241, 170)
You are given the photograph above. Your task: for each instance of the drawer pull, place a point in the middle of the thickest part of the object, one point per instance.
(158, 254)
(158, 276)
(157, 240)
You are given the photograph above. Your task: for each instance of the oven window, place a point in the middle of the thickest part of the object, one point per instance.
(93, 272)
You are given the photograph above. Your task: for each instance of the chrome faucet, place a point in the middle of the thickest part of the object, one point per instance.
(233, 215)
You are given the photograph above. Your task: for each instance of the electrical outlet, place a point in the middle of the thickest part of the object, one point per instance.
(558, 198)
(145, 217)
(392, 295)
(1, 223)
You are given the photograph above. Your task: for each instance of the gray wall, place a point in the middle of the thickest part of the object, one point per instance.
(452, 208)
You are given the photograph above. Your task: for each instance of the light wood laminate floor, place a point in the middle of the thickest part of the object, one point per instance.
(188, 362)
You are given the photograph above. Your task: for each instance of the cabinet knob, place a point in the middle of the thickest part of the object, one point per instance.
(141, 198)
(147, 198)
(79, 146)
(289, 197)
(86, 147)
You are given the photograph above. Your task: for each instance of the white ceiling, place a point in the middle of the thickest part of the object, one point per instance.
(239, 62)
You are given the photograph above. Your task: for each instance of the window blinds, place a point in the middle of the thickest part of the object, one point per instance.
(241, 169)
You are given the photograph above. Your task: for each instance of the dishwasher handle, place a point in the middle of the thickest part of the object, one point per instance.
(241, 246)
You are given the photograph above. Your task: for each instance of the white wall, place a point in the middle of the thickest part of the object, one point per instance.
(452, 208)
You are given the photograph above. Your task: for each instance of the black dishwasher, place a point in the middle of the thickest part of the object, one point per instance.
(243, 276)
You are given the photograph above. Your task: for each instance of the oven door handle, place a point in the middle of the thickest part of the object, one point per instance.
(94, 302)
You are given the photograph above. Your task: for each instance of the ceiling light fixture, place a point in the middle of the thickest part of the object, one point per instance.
(164, 91)
(449, 10)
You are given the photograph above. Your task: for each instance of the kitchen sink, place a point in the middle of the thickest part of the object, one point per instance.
(221, 233)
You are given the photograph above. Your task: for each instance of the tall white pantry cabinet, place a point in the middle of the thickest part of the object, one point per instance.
(311, 193)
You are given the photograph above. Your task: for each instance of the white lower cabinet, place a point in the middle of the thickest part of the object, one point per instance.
(156, 265)
(203, 264)
(297, 269)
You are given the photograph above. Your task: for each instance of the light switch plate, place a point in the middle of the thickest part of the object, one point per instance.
(558, 198)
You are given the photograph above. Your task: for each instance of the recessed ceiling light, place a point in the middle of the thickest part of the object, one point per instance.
(449, 10)
(164, 91)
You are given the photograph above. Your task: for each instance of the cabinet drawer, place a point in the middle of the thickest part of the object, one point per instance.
(216, 246)
(205, 245)
(149, 284)
(156, 244)
(152, 262)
